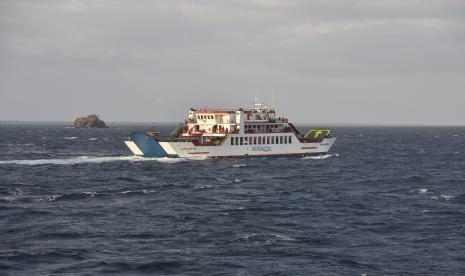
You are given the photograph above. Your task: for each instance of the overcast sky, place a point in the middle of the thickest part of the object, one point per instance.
(328, 61)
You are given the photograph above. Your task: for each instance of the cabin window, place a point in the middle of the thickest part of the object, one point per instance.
(237, 141)
(246, 140)
(272, 139)
(259, 140)
(280, 139)
(290, 139)
(268, 140)
(255, 140)
(232, 141)
(285, 139)
(241, 141)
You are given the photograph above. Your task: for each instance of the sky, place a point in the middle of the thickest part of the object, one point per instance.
(325, 61)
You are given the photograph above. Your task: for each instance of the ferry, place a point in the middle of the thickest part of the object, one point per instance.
(223, 133)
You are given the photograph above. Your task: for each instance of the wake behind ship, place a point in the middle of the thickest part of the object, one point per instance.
(216, 133)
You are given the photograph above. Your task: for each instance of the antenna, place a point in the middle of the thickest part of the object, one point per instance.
(272, 96)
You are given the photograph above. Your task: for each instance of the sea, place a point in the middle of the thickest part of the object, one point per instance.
(383, 201)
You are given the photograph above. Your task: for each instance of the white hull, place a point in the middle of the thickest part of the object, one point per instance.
(230, 149)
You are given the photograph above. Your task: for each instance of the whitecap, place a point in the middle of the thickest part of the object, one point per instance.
(91, 194)
(446, 197)
(319, 157)
(70, 137)
(93, 139)
(423, 191)
(200, 187)
(239, 165)
(266, 238)
(48, 198)
(9, 199)
(168, 159)
(89, 159)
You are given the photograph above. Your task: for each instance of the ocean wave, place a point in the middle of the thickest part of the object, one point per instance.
(318, 157)
(70, 137)
(144, 191)
(239, 165)
(88, 159)
(263, 238)
(423, 190)
(446, 197)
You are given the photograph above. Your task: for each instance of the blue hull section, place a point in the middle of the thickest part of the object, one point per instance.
(148, 145)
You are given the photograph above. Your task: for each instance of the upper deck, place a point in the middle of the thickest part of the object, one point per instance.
(219, 122)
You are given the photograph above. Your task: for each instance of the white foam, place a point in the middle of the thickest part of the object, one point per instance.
(48, 198)
(145, 191)
(70, 138)
(93, 139)
(239, 165)
(423, 191)
(91, 194)
(89, 159)
(446, 197)
(319, 157)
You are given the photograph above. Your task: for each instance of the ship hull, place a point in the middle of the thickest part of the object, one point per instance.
(144, 145)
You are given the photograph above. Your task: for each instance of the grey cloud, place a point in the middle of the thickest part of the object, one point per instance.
(350, 61)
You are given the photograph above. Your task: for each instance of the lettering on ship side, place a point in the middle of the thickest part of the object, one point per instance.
(261, 148)
(189, 149)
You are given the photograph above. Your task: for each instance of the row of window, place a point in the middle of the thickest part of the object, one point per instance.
(205, 117)
(260, 126)
(261, 140)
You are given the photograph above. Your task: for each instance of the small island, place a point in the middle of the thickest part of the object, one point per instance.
(91, 121)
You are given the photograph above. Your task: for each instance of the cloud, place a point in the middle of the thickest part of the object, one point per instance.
(73, 6)
(125, 55)
(309, 29)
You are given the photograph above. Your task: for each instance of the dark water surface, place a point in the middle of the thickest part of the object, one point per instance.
(388, 201)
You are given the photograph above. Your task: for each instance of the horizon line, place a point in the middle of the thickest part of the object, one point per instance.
(300, 123)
